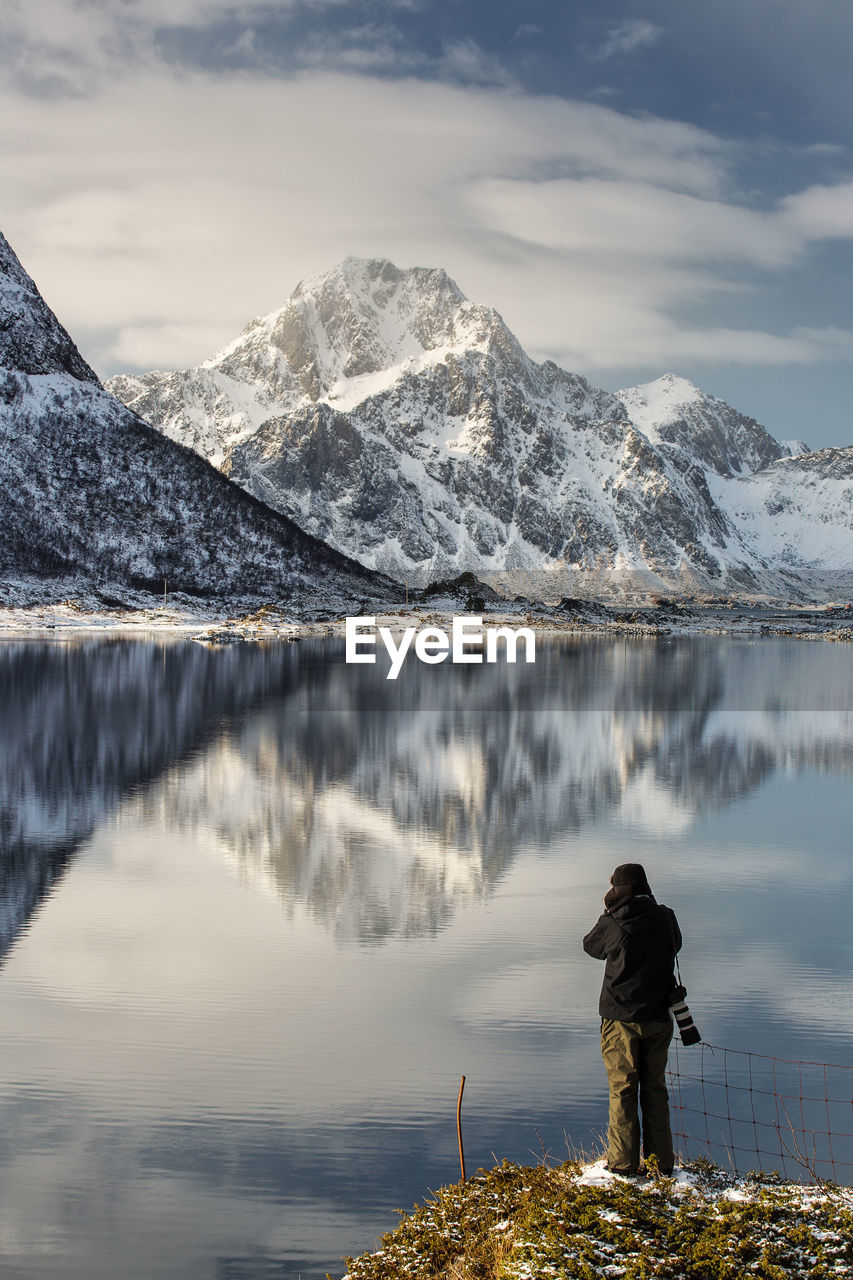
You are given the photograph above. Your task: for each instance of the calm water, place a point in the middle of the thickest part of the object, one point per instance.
(261, 910)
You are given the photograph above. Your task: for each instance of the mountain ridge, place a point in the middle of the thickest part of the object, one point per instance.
(390, 416)
(42, 348)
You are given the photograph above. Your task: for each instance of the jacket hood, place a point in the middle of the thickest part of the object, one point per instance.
(638, 915)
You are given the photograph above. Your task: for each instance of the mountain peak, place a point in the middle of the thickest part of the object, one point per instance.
(660, 400)
(374, 282)
(364, 316)
(400, 422)
(32, 340)
(672, 410)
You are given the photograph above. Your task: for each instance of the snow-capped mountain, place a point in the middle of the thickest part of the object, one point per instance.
(673, 413)
(87, 486)
(796, 510)
(406, 426)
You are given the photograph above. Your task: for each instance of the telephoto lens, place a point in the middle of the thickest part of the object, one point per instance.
(687, 1028)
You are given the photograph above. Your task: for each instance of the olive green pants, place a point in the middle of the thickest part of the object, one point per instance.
(634, 1054)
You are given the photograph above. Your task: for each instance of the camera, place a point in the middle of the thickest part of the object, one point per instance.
(687, 1028)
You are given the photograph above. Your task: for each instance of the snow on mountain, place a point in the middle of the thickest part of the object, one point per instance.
(32, 340)
(796, 508)
(672, 411)
(387, 414)
(86, 485)
(335, 338)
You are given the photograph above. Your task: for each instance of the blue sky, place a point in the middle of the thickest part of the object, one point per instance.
(637, 187)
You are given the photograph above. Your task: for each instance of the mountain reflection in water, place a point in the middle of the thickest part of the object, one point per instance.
(380, 805)
(260, 910)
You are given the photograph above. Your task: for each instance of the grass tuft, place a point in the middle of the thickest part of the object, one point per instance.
(516, 1222)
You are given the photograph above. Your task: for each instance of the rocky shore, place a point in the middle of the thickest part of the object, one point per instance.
(46, 610)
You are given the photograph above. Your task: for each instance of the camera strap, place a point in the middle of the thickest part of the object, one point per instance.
(674, 948)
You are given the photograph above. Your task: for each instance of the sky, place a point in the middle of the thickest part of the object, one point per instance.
(638, 186)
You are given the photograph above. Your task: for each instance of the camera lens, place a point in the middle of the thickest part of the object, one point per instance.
(684, 1021)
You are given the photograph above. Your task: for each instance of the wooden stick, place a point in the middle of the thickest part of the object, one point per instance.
(459, 1128)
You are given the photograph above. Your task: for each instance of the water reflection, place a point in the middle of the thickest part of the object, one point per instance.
(212, 1068)
(84, 724)
(383, 806)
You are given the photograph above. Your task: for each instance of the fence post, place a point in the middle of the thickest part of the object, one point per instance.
(459, 1128)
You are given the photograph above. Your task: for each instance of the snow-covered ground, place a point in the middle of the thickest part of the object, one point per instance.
(33, 609)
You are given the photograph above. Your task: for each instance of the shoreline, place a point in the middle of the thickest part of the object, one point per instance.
(212, 625)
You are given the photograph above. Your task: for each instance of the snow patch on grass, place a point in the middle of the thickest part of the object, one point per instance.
(580, 1220)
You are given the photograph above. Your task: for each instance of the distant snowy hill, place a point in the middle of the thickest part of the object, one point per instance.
(675, 415)
(405, 425)
(87, 486)
(796, 511)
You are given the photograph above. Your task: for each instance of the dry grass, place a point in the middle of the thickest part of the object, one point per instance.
(523, 1222)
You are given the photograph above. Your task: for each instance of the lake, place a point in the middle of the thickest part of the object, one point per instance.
(261, 910)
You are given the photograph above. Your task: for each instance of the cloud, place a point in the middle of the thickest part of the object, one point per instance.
(61, 47)
(71, 24)
(824, 149)
(56, 47)
(526, 31)
(151, 346)
(372, 48)
(161, 213)
(822, 212)
(467, 62)
(627, 37)
(634, 257)
(830, 342)
(632, 219)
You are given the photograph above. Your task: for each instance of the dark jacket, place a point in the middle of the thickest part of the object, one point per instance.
(638, 940)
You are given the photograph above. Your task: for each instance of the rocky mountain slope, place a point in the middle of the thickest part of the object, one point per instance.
(797, 510)
(87, 487)
(401, 423)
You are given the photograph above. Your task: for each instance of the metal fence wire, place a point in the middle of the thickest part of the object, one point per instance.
(750, 1111)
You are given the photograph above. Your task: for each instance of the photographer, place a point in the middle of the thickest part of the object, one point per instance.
(638, 939)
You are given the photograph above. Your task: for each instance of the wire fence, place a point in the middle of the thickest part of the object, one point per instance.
(752, 1111)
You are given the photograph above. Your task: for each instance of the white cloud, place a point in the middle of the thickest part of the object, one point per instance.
(822, 212)
(160, 214)
(626, 37)
(68, 46)
(174, 345)
(591, 215)
(824, 149)
(830, 341)
(596, 316)
(73, 45)
(71, 24)
(466, 61)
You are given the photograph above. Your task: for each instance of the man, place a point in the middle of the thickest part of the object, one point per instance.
(638, 939)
